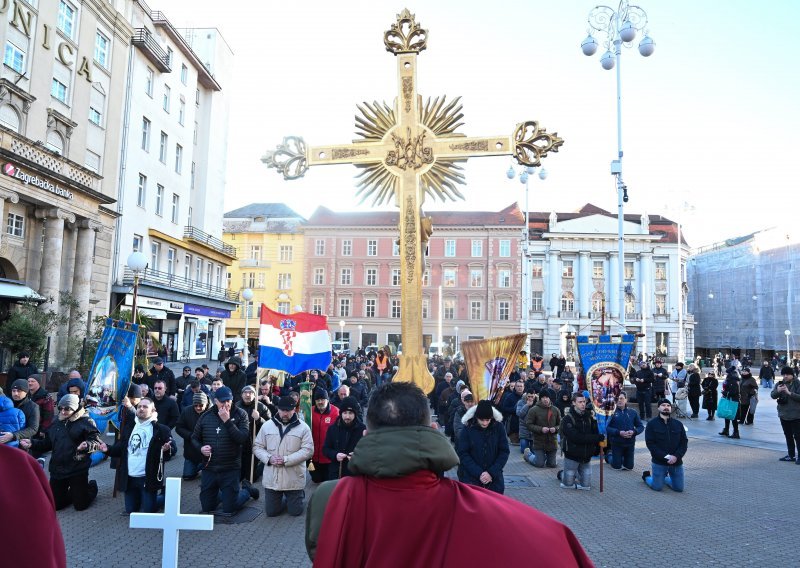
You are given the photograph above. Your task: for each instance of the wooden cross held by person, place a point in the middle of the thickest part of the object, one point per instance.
(407, 152)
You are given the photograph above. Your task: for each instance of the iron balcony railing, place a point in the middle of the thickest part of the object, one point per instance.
(199, 236)
(175, 282)
(143, 39)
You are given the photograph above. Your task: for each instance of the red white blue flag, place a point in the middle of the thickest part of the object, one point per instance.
(293, 342)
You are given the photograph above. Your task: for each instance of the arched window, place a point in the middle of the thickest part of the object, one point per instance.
(55, 142)
(597, 302)
(630, 304)
(568, 302)
(9, 117)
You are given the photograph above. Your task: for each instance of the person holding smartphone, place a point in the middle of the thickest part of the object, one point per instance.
(787, 394)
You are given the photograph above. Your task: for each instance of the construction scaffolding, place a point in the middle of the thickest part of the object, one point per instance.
(744, 294)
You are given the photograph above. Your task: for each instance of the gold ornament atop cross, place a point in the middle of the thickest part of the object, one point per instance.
(406, 152)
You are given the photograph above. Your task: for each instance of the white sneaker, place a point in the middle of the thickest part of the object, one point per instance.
(566, 486)
(583, 487)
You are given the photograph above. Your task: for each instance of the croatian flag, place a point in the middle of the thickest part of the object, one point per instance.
(293, 343)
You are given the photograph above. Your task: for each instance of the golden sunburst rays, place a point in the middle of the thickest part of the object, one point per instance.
(375, 181)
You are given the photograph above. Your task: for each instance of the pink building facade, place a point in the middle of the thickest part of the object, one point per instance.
(471, 287)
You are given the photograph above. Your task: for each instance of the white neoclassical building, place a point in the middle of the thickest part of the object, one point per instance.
(572, 270)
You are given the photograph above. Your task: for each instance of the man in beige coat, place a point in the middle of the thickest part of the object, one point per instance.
(284, 444)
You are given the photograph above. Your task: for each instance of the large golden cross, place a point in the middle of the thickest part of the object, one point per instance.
(406, 152)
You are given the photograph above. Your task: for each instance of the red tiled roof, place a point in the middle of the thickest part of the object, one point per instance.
(511, 216)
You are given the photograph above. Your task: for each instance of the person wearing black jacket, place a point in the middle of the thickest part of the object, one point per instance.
(666, 439)
(660, 375)
(709, 386)
(165, 405)
(19, 394)
(257, 414)
(234, 378)
(22, 369)
(730, 390)
(160, 371)
(72, 438)
(142, 449)
(342, 437)
(695, 388)
(192, 458)
(643, 380)
(219, 436)
(182, 384)
(581, 438)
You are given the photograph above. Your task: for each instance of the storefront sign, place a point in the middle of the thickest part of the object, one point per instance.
(14, 171)
(155, 303)
(206, 311)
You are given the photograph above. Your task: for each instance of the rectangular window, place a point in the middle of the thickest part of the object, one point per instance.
(344, 307)
(597, 269)
(316, 306)
(319, 247)
(426, 308)
(187, 266)
(395, 309)
(141, 196)
(261, 280)
(475, 310)
(347, 247)
(426, 277)
(628, 270)
(661, 270)
(66, 19)
(396, 248)
(476, 277)
(94, 116)
(319, 276)
(536, 269)
(284, 281)
(504, 310)
(449, 278)
(477, 248)
(449, 308)
(536, 301)
(171, 253)
(194, 135)
(219, 276)
(59, 91)
(450, 247)
(567, 268)
(101, 49)
(169, 57)
(145, 134)
(92, 161)
(166, 98)
(159, 199)
(149, 80)
(138, 243)
(155, 253)
(255, 252)
(249, 280)
(184, 73)
(395, 277)
(372, 247)
(197, 97)
(162, 151)
(176, 207)
(661, 304)
(370, 306)
(15, 225)
(198, 270)
(189, 217)
(371, 277)
(504, 278)
(14, 57)
(283, 307)
(505, 248)
(182, 112)
(346, 277)
(286, 253)
(178, 158)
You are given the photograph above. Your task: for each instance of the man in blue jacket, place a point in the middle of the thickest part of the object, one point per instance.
(666, 439)
(622, 429)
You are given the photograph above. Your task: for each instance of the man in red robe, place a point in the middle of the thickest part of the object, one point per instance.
(398, 510)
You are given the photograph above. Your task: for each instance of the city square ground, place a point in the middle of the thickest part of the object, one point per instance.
(739, 509)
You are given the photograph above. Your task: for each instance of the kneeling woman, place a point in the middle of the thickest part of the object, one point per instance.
(483, 448)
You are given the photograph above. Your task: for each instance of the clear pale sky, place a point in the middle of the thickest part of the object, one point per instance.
(709, 119)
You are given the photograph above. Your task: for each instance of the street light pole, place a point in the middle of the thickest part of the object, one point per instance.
(787, 333)
(619, 27)
(341, 334)
(456, 349)
(247, 295)
(360, 336)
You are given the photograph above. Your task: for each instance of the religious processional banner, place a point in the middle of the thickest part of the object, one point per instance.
(490, 361)
(605, 361)
(294, 342)
(110, 375)
(306, 404)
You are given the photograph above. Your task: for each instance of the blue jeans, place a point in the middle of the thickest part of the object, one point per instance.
(523, 443)
(644, 397)
(139, 500)
(622, 456)
(222, 486)
(190, 468)
(659, 478)
(766, 383)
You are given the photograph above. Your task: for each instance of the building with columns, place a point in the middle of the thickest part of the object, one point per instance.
(172, 182)
(573, 263)
(471, 282)
(269, 243)
(62, 87)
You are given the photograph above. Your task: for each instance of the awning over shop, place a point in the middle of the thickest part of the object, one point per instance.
(17, 291)
(152, 314)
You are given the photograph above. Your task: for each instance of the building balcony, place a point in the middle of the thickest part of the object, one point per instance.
(144, 40)
(193, 234)
(537, 314)
(661, 317)
(254, 263)
(688, 318)
(633, 316)
(568, 314)
(167, 281)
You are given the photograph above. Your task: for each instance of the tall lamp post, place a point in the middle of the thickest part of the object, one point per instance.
(247, 295)
(619, 28)
(456, 347)
(524, 176)
(137, 262)
(341, 334)
(360, 336)
(787, 333)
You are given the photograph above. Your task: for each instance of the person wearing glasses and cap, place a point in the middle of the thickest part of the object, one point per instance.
(72, 438)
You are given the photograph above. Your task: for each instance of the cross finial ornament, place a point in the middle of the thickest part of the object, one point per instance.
(406, 152)
(171, 521)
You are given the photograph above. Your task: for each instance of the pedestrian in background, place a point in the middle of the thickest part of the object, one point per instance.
(787, 394)
(731, 390)
(709, 387)
(695, 388)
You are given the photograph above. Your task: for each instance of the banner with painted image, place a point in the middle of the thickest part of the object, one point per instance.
(490, 362)
(605, 360)
(110, 375)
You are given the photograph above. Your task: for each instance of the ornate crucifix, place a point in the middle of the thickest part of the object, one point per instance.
(407, 152)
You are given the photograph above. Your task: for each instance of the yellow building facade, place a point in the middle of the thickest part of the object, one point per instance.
(269, 243)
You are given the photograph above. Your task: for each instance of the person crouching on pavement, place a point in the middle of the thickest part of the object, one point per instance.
(622, 429)
(666, 439)
(483, 448)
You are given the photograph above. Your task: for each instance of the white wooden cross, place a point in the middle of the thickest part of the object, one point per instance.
(171, 521)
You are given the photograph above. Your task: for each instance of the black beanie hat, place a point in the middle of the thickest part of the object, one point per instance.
(484, 410)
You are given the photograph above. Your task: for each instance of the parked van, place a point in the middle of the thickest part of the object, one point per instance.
(340, 346)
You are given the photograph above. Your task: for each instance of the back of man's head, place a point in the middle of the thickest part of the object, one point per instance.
(397, 404)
